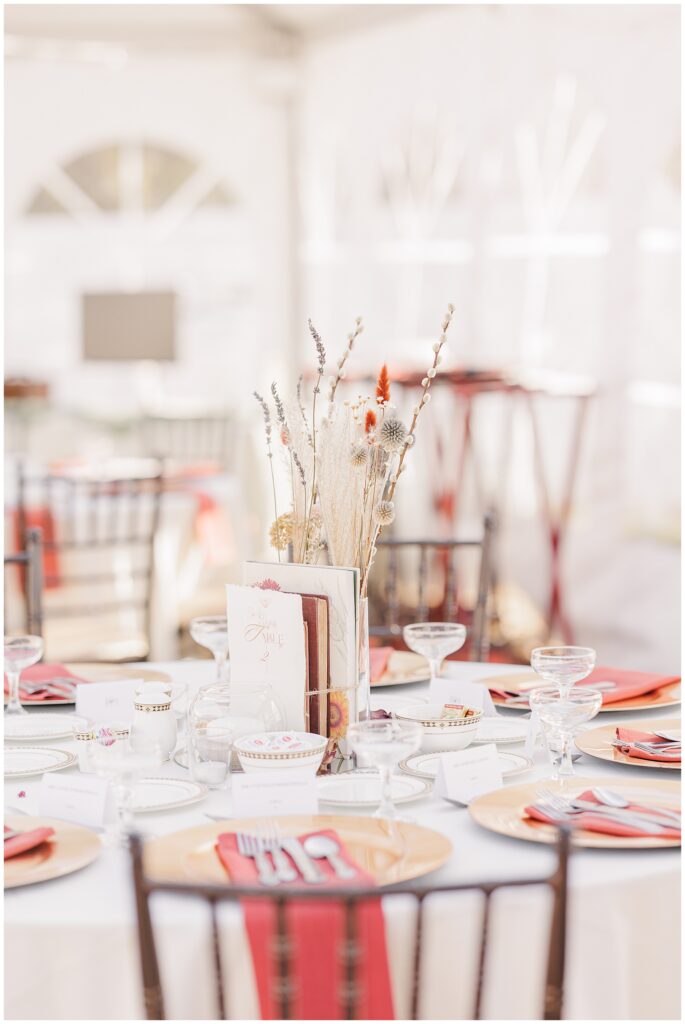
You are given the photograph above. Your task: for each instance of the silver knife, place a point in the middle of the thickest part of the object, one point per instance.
(639, 817)
(303, 862)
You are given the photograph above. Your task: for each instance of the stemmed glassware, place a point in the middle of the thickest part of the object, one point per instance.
(211, 631)
(563, 666)
(560, 714)
(20, 652)
(113, 758)
(434, 640)
(383, 744)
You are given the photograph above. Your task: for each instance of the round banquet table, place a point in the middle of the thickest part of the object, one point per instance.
(71, 943)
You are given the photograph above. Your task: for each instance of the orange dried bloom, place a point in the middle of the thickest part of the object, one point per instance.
(383, 385)
(370, 421)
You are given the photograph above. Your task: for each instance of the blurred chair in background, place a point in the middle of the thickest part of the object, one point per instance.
(98, 559)
(28, 586)
(201, 438)
(420, 580)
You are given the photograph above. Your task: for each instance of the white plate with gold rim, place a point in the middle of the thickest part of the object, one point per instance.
(362, 788)
(152, 795)
(23, 728)
(21, 762)
(425, 766)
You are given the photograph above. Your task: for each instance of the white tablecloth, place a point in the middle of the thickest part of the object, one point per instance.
(71, 947)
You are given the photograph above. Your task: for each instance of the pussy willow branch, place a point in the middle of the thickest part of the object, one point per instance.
(351, 338)
(432, 372)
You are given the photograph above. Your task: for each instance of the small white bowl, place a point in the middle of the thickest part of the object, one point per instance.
(266, 751)
(442, 734)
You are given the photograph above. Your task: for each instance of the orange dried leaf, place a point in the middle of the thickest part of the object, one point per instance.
(370, 421)
(383, 385)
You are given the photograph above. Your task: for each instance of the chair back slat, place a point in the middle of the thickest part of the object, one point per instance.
(351, 951)
(102, 531)
(30, 565)
(436, 558)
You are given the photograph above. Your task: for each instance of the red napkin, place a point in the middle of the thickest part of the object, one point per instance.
(45, 673)
(317, 933)
(599, 823)
(629, 737)
(42, 519)
(378, 661)
(628, 684)
(26, 841)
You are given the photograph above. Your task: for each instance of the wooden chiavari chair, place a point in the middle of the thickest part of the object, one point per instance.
(98, 558)
(207, 437)
(434, 557)
(30, 564)
(551, 999)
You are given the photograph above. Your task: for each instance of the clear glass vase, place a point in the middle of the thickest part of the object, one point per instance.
(362, 703)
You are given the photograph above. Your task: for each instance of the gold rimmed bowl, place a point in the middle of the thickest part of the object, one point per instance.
(441, 733)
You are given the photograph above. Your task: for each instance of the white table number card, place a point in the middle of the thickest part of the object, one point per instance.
(466, 774)
(456, 691)
(81, 799)
(107, 702)
(266, 645)
(269, 793)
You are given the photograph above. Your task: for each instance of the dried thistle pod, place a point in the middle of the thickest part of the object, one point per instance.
(392, 435)
(384, 513)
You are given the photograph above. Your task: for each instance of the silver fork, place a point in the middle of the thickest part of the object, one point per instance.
(249, 846)
(268, 836)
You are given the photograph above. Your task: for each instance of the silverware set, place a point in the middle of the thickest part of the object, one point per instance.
(611, 806)
(280, 859)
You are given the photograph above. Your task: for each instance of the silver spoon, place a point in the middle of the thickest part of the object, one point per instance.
(611, 799)
(326, 848)
(671, 736)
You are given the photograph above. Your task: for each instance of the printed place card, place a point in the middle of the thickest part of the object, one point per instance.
(81, 799)
(267, 645)
(456, 691)
(465, 774)
(257, 794)
(107, 702)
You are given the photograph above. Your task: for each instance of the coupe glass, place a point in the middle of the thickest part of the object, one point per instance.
(434, 640)
(211, 631)
(563, 666)
(560, 714)
(382, 744)
(113, 758)
(20, 653)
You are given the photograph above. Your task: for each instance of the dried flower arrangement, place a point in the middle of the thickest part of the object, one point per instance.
(345, 465)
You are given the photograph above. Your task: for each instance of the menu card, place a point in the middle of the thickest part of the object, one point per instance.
(465, 774)
(107, 702)
(341, 586)
(266, 641)
(269, 793)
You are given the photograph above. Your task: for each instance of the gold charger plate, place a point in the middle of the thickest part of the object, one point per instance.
(663, 697)
(101, 672)
(71, 848)
(190, 855)
(404, 667)
(502, 811)
(597, 743)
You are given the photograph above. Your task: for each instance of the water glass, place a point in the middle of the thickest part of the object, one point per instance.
(434, 640)
(20, 652)
(113, 758)
(383, 744)
(563, 666)
(560, 714)
(211, 631)
(209, 753)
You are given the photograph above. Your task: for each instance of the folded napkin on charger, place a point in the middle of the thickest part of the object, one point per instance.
(378, 661)
(626, 685)
(627, 738)
(602, 822)
(317, 934)
(48, 674)
(26, 841)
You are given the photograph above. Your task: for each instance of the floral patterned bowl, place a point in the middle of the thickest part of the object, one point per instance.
(284, 749)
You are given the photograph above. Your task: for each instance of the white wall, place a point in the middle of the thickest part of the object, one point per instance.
(229, 114)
